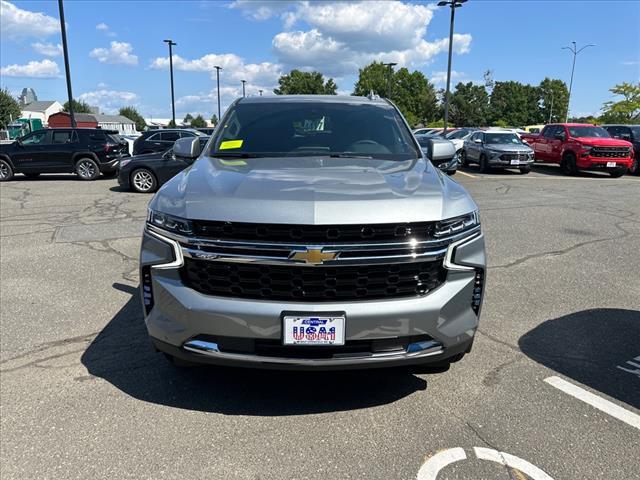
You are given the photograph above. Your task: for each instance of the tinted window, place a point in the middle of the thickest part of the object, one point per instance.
(169, 136)
(187, 134)
(636, 132)
(97, 136)
(314, 128)
(458, 134)
(550, 131)
(423, 141)
(154, 138)
(37, 138)
(597, 132)
(63, 136)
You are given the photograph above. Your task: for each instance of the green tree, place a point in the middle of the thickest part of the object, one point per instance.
(198, 122)
(375, 77)
(301, 83)
(78, 106)
(214, 119)
(554, 100)
(626, 110)
(9, 108)
(469, 105)
(515, 104)
(412, 92)
(187, 119)
(132, 114)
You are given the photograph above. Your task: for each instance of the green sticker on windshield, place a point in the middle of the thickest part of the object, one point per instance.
(229, 144)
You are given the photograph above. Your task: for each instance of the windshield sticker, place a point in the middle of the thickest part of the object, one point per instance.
(229, 144)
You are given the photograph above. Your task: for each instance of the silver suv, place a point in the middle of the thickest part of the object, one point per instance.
(311, 232)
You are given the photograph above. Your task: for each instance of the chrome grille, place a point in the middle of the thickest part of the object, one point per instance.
(610, 152)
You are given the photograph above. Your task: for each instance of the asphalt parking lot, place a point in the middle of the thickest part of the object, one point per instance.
(550, 390)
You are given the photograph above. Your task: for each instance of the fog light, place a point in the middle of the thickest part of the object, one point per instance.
(478, 284)
(147, 291)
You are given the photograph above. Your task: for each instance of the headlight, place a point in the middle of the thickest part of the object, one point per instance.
(125, 162)
(169, 222)
(455, 225)
(586, 149)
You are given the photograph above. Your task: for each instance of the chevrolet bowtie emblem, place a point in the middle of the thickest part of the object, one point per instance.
(313, 256)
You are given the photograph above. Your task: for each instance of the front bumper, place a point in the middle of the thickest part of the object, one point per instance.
(496, 161)
(176, 315)
(111, 165)
(600, 163)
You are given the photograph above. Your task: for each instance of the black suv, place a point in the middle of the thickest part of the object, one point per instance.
(85, 151)
(162, 140)
(630, 133)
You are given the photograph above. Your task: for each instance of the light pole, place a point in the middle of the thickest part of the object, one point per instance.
(218, 83)
(67, 70)
(260, 92)
(390, 65)
(453, 4)
(171, 43)
(243, 82)
(575, 52)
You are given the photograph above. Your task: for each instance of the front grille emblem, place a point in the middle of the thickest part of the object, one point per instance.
(313, 256)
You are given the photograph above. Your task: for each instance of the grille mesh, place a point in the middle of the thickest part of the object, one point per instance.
(317, 283)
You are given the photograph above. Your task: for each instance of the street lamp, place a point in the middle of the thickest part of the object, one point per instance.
(575, 52)
(67, 70)
(453, 4)
(390, 65)
(171, 43)
(218, 82)
(243, 82)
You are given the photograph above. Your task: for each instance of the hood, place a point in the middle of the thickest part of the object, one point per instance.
(508, 147)
(602, 142)
(312, 191)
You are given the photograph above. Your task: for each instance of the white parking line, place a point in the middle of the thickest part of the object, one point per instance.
(430, 469)
(466, 174)
(511, 461)
(595, 401)
(635, 363)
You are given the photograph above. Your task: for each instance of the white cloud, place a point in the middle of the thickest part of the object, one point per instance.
(102, 26)
(262, 9)
(34, 69)
(47, 49)
(17, 23)
(118, 53)
(234, 68)
(630, 62)
(440, 78)
(109, 101)
(102, 85)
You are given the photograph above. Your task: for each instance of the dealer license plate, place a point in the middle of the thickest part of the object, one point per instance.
(313, 330)
(515, 162)
(611, 164)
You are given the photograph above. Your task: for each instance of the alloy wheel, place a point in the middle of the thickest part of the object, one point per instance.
(143, 180)
(4, 171)
(86, 169)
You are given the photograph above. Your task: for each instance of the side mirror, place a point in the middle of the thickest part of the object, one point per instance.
(187, 148)
(559, 136)
(477, 140)
(625, 136)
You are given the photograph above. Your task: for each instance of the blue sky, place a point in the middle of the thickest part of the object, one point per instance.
(118, 58)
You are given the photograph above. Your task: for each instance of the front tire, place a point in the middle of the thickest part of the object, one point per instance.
(568, 164)
(143, 181)
(87, 169)
(525, 170)
(635, 167)
(6, 172)
(617, 172)
(463, 158)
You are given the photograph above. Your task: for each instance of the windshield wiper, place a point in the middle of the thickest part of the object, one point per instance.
(350, 155)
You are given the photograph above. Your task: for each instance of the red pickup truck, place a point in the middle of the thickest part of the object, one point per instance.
(579, 146)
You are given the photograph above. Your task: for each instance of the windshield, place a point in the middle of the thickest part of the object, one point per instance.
(500, 138)
(314, 128)
(636, 132)
(597, 132)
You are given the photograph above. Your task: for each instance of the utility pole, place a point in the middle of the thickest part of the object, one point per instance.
(171, 43)
(453, 4)
(243, 92)
(573, 49)
(390, 65)
(218, 82)
(260, 92)
(67, 70)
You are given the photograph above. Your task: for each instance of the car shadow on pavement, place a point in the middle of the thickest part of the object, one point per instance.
(122, 355)
(589, 347)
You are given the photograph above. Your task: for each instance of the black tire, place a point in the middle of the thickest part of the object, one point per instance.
(463, 158)
(635, 167)
(525, 170)
(6, 171)
(32, 175)
(568, 164)
(484, 167)
(617, 172)
(87, 169)
(110, 174)
(143, 180)
(451, 173)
